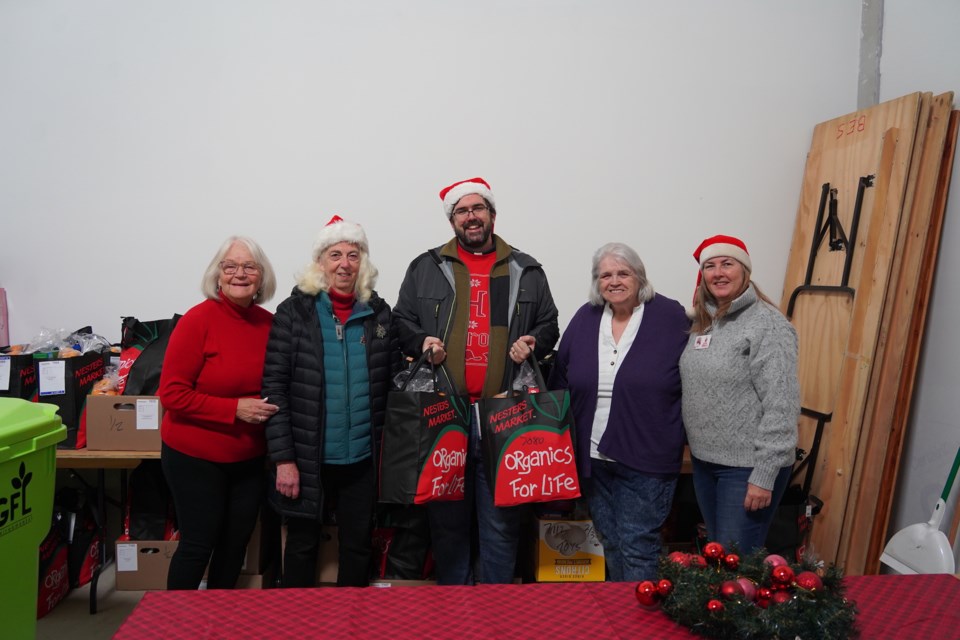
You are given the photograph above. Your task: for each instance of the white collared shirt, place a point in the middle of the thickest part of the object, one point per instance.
(609, 356)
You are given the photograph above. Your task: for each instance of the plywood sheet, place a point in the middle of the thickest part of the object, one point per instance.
(891, 389)
(878, 142)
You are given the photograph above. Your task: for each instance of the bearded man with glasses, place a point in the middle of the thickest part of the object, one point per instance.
(482, 306)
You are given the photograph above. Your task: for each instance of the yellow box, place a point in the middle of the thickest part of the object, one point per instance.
(569, 551)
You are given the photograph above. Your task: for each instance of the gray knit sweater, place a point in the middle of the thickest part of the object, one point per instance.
(741, 397)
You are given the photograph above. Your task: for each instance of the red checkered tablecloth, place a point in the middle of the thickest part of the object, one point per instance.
(895, 607)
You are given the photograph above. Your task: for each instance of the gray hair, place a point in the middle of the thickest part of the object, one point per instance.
(313, 280)
(210, 285)
(621, 253)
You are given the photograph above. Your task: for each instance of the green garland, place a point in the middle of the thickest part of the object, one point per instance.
(808, 614)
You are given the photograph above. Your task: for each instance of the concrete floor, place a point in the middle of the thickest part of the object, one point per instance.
(71, 618)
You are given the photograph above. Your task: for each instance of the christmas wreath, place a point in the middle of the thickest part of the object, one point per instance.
(721, 595)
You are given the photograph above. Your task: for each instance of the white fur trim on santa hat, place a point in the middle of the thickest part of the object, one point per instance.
(339, 230)
(465, 188)
(728, 250)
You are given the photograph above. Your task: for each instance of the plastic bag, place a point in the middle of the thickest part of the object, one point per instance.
(526, 379)
(421, 381)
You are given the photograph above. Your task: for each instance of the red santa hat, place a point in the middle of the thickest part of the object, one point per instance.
(716, 246)
(451, 195)
(339, 230)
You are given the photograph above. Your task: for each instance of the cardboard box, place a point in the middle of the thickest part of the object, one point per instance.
(18, 376)
(384, 583)
(265, 580)
(123, 423)
(142, 565)
(264, 546)
(328, 559)
(569, 551)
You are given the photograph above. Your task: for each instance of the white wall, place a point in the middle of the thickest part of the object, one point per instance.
(920, 52)
(136, 136)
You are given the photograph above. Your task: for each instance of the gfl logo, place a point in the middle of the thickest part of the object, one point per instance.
(15, 504)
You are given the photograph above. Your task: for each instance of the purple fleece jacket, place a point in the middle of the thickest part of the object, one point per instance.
(645, 429)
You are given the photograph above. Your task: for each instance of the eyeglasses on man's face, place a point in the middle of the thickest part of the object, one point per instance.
(230, 268)
(477, 210)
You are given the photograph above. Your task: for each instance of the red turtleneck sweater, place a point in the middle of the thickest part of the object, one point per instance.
(215, 357)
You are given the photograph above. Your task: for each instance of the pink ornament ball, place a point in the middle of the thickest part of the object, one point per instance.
(775, 560)
(749, 589)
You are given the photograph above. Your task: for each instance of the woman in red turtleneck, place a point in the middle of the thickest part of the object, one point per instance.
(213, 435)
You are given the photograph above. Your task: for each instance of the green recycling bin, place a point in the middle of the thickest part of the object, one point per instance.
(29, 433)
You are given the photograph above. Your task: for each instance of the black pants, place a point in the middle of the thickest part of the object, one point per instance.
(217, 506)
(353, 488)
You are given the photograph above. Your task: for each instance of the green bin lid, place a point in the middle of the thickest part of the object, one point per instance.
(23, 420)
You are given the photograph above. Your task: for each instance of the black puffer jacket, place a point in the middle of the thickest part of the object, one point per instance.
(293, 379)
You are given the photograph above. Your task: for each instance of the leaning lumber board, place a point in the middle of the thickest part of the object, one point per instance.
(946, 128)
(867, 511)
(878, 142)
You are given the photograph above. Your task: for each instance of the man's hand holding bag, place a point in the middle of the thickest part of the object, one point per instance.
(423, 453)
(527, 443)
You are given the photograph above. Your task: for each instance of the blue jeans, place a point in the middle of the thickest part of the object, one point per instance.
(452, 526)
(720, 493)
(628, 510)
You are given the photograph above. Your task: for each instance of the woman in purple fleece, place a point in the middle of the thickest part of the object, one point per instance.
(619, 358)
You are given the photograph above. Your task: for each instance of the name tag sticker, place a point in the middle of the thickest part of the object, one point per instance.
(701, 342)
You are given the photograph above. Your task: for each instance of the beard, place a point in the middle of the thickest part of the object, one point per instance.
(474, 236)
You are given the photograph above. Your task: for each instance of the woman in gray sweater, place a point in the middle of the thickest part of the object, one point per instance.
(741, 397)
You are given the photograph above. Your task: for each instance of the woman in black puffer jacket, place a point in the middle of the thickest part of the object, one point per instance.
(330, 359)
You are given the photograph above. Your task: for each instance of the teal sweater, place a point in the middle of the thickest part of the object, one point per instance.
(741, 397)
(346, 385)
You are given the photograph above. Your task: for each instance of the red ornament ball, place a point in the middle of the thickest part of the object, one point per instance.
(698, 562)
(731, 590)
(782, 574)
(809, 580)
(732, 561)
(715, 606)
(775, 560)
(679, 557)
(647, 594)
(749, 589)
(713, 551)
(763, 593)
(664, 587)
(781, 596)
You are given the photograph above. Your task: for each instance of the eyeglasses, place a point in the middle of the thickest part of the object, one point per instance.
(230, 268)
(476, 210)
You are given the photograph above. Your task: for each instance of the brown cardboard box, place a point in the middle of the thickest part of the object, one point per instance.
(143, 564)
(328, 558)
(264, 545)
(382, 582)
(123, 423)
(265, 580)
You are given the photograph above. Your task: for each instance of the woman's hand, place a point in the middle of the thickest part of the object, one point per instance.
(522, 348)
(288, 480)
(757, 498)
(255, 410)
(439, 354)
